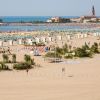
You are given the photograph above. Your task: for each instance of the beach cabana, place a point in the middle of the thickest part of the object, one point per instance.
(43, 39)
(29, 42)
(49, 39)
(68, 37)
(82, 36)
(37, 40)
(85, 35)
(10, 42)
(20, 41)
(78, 36)
(59, 38)
(1, 43)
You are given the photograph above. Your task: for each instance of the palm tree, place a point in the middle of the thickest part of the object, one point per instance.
(14, 58)
(5, 58)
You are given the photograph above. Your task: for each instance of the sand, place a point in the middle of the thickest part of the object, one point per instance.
(80, 81)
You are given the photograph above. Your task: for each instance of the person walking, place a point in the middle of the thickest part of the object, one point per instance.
(63, 69)
(27, 70)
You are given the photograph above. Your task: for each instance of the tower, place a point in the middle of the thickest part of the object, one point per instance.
(93, 11)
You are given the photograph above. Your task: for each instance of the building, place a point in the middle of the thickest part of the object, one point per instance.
(58, 20)
(91, 18)
(82, 19)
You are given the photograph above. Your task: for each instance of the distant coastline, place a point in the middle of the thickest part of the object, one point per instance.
(34, 23)
(9, 19)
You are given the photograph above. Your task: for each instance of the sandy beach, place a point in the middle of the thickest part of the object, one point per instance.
(50, 50)
(80, 81)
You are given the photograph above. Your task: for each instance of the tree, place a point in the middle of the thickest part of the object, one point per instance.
(5, 58)
(14, 58)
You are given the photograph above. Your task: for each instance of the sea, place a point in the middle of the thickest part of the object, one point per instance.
(34, 27)
(29, 18)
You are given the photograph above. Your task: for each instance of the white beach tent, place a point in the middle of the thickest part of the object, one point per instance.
(96, 34)
(85, 35)
(1, 43)
(82, 36)
(43, 39)
(59, 38)
(37, 40)
(29, 42)
(10, 42)
(49, 39)
(68, 37)
(78, 36)
(20, 42)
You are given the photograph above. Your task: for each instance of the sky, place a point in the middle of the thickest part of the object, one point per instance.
(48, 7)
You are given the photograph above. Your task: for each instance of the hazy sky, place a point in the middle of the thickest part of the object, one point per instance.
(48, 7)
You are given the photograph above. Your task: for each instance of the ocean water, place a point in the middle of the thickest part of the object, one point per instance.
(29, 18)
(38, 27)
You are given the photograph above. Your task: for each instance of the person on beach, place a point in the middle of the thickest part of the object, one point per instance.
(63, 69)
(27, 70)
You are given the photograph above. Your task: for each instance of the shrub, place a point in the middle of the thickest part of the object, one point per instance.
(14, 58)
(65, 48)
(53, 55)
(22, 66)
(5, 58)
(69, 56)
(59, 50)
(82, 52)
(3, 66)
(27, 58)
(95, 48)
